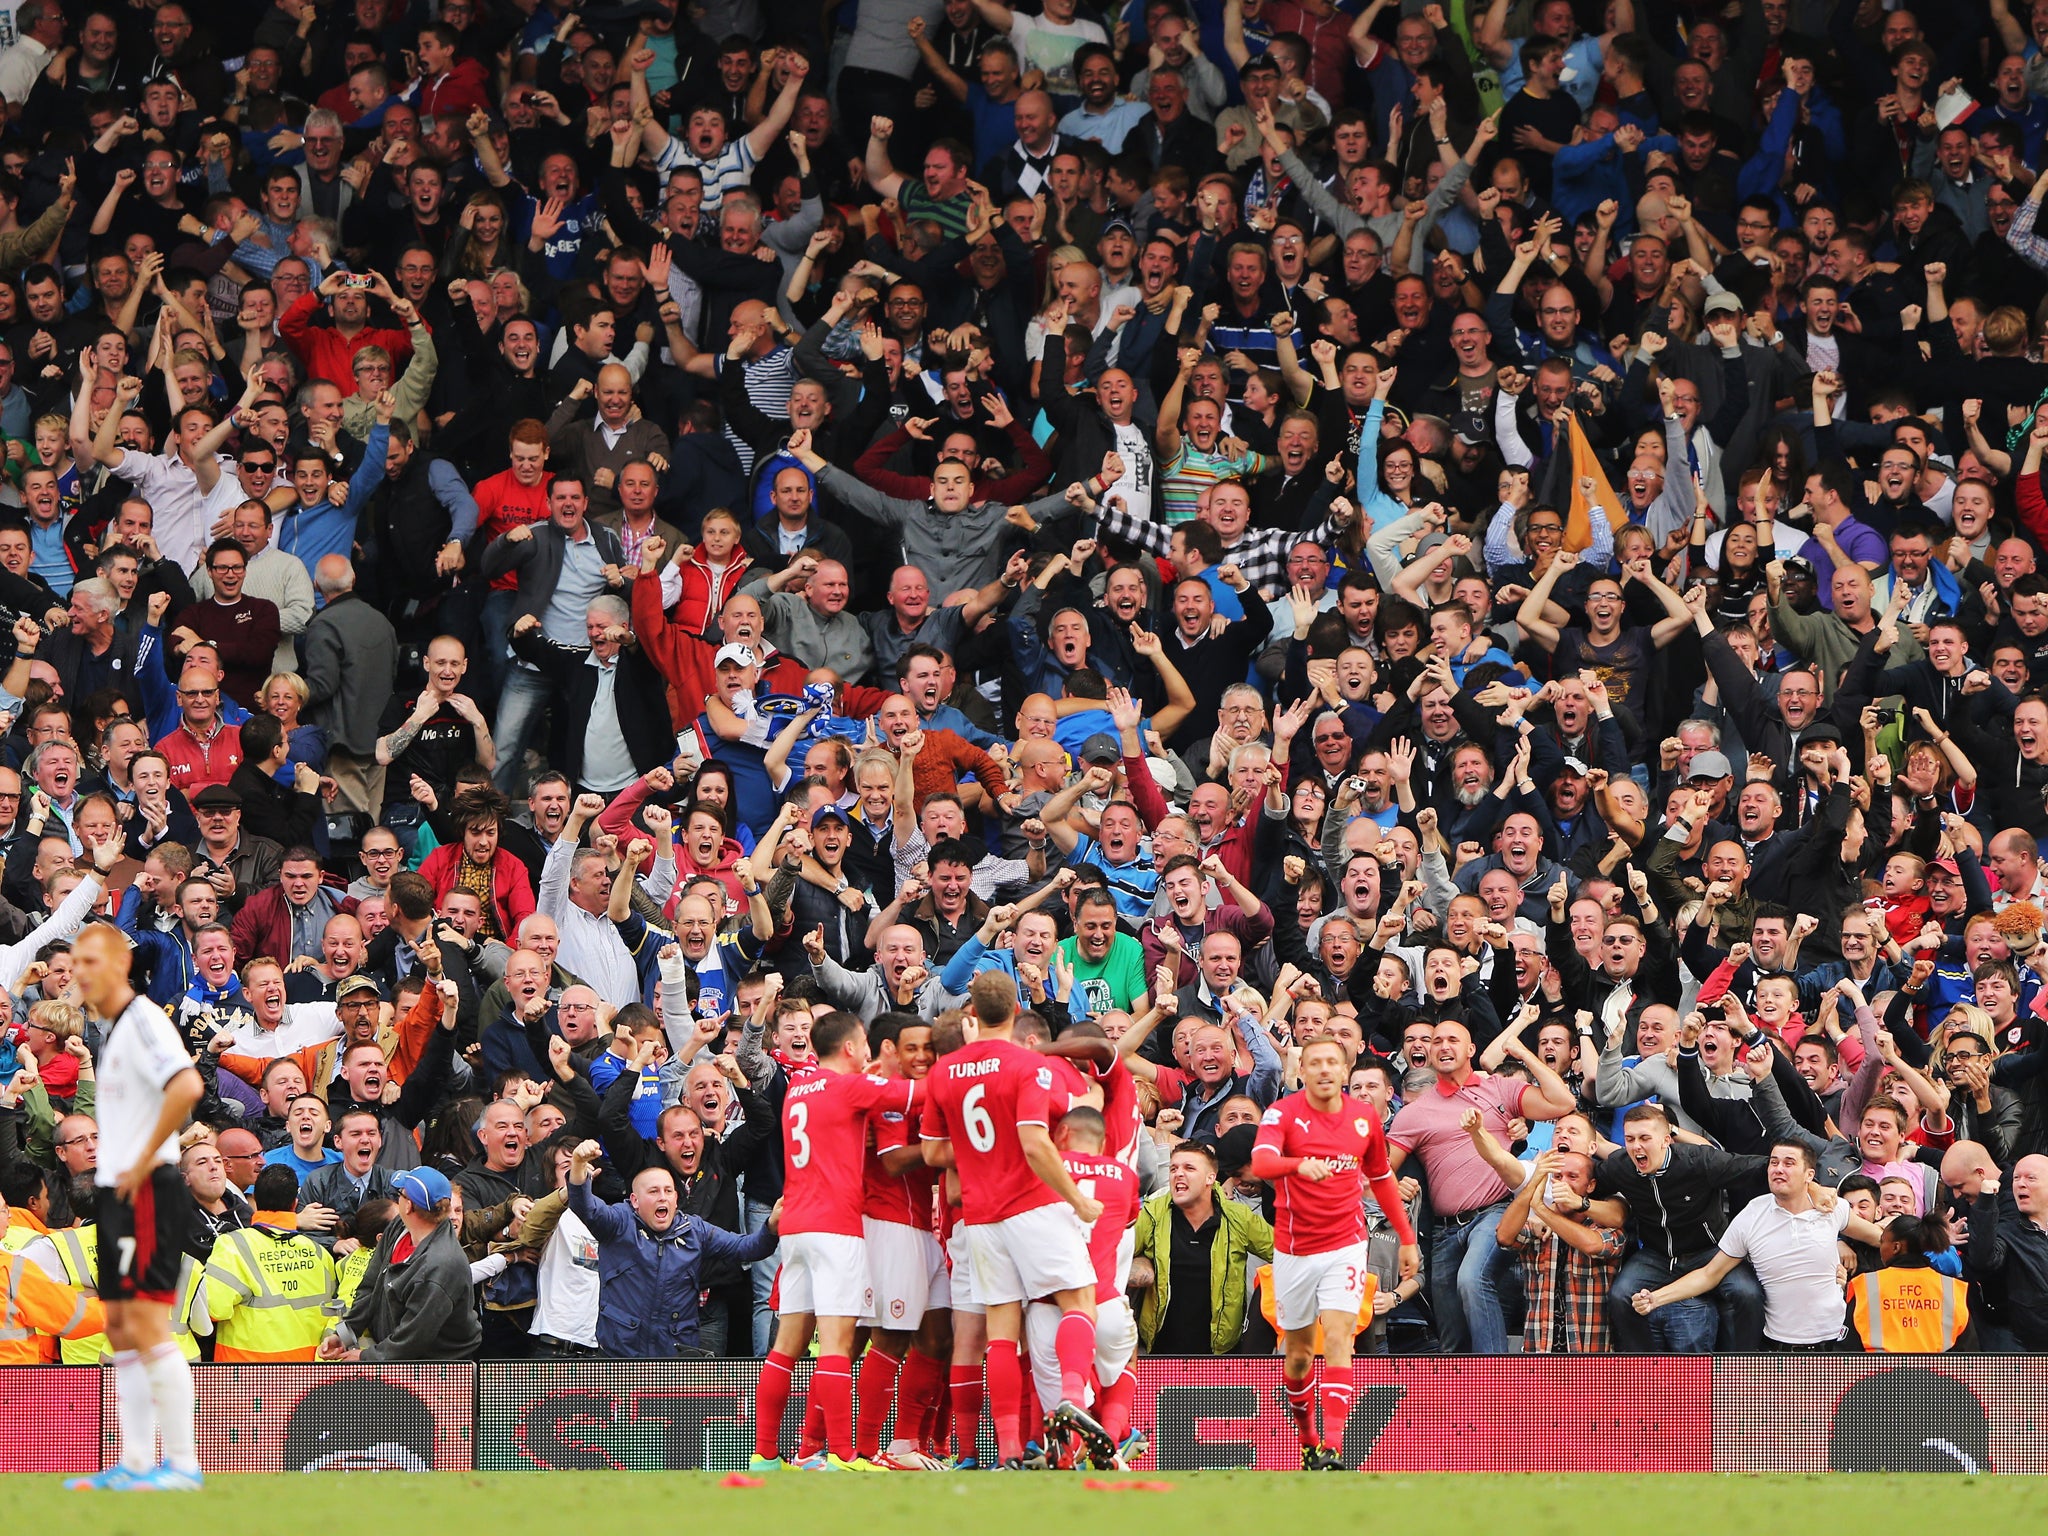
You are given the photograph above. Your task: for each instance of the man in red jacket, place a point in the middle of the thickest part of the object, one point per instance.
(329, 351)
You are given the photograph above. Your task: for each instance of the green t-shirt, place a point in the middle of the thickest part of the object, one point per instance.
(950, 213)
(1116, 983)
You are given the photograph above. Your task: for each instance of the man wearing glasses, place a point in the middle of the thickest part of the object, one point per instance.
(203, 750)
(273, 576)
(243, 629)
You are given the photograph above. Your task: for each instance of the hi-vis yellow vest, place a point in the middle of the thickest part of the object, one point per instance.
(78, 1248)
(1909, 1311)
(267, 1293)
(348, 1276)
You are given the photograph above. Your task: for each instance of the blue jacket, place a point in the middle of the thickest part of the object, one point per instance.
(649, 1278)
(167, 955)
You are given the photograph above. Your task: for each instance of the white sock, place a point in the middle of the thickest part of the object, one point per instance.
(170, 1388)
(135, 1411)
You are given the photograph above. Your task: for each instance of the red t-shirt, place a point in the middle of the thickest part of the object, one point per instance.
(824, 1143)
(978, 1096)
(904, 1198)
(1312, 1217)
(1109, 1180)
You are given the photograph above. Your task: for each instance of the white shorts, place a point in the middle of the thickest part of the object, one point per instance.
(823, 1273)
(1030, 1255)
(1307, 1284)
(906, 1275)
(1116, 1341)
(960, 1278)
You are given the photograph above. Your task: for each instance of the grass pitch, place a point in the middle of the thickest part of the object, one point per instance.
(994, 1504)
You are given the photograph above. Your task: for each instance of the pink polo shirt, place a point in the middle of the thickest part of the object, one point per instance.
(1459, 1180)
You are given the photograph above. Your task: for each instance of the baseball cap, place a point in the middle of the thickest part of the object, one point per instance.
(829, 813)
(1722, 304)
(1799, 565)
(1573, 765)
(1470, 427)
(736, 655)
(1101, 748)
(1948, 866)
(1116, 224)
(351, 985)
(1709, 765)
(217, 797)
(425, 1187)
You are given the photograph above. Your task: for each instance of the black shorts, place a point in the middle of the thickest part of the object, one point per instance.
(142, 1246)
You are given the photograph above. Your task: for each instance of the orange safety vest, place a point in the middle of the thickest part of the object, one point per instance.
(1909, 1311)
(35, 1309)
(1262, 1282)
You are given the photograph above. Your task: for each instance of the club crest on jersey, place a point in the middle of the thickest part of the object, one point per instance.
(1362, 1125)
(1045, 1077)
(1271, 1116)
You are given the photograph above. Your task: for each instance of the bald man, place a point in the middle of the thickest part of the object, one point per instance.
(599, 447)
(2009, 1244)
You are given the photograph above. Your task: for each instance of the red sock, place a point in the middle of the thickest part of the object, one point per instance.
(1031, 1412)
(1006, 1389)
(936, 1434)
(1336, 1402)
(813, 1441)
(878, 1381)
(963, 1387)
(920, 1384)
(1113, 1406)
(1301, 1407)
(771, 1399)
(1075, 1345)
(832, 1389)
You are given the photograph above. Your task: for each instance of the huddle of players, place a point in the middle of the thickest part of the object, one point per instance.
(1036, 1143)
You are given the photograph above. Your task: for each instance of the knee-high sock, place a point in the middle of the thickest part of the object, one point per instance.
(1006, 1397)
(1113, 1406)
(919, 1386)
(964, 1390)
(813, 1439)
(878, 1391)
(771, 1400)
(1075, 1343)
(1301, 1405)
(135, 1411)
(171, 1393)
(1336, 1403)
(1031, 1412)
(832, 1390)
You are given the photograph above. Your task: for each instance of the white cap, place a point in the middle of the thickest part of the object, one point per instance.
(740, 655)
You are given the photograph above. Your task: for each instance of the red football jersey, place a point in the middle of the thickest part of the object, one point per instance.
(824, 1146)
(977, 1097)
(1311, 1217)
(902, 1198)
(1107, 1179)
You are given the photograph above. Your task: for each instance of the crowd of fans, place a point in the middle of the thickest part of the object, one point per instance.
(547, 549)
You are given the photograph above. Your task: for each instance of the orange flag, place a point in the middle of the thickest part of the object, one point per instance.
(1578, 526)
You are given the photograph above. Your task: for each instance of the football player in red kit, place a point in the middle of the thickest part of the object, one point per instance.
(908, 1289)
(1082, 1136)
(824, 1280)
(1318, 1148)
(988, 1114)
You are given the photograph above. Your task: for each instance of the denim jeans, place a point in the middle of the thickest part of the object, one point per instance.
(521, 704)
(1465, 1269)
(763, 1272)
(1681, 1328)
(493, 655)
(1739, 1301)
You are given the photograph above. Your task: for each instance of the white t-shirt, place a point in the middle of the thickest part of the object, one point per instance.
(1793, 1253)
(303, 1024)
(1141, 472)
(1051, 46)
(140, 1056)
(566, 1306)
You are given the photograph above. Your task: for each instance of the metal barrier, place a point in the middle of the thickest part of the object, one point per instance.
(1803, 1413)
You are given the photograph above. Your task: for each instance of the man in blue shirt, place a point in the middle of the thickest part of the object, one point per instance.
(319, 526)
(305, 1120)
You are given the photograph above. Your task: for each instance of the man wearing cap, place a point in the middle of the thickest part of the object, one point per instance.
(733, 731)
(236, 864)
(415, 1300)
(1101, 116)
(839, 905)
(611, 721)
(1828, 637)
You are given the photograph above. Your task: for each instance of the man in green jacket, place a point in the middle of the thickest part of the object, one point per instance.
(1185, 1232)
